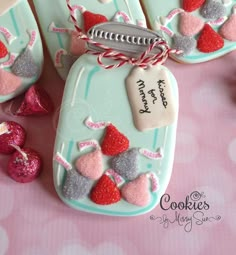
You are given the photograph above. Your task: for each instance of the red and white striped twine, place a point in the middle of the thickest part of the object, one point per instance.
(142, 61)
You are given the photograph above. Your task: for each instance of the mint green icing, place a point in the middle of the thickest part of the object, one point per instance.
(89, 80)
(60, 42)
(107, 100)
(14, 22)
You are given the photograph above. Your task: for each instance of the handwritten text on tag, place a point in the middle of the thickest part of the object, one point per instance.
(151, 97)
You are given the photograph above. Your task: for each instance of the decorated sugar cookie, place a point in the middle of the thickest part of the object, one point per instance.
(121, 105)
(60, 34)
(202, 29)
(21, 55)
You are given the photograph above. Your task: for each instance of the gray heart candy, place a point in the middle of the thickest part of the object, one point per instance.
(25, 66)
(184, 43)
(126, 164)
(76, 186)
(213, 10)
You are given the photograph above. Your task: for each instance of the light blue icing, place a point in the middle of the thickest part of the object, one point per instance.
(60, 41)
(116, 5)
(107, 100)
(155, 138)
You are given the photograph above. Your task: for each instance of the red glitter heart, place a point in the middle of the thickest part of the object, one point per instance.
(209, 40)
(105, 192)
(3, 50)
(92, 19)
(192, 5)
(114, 142)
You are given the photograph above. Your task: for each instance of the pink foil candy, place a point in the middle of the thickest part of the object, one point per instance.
(36, 102)
(24, 165)
(14, 134)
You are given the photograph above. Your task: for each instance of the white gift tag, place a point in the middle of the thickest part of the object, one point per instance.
(151, 97)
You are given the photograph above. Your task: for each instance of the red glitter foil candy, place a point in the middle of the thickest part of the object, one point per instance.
(15, 135)
(209, 40)
(114, 142)
(24, 165)
(105, 192)
(3, 50)
(92, 19)
(192, 5)
(36, 102)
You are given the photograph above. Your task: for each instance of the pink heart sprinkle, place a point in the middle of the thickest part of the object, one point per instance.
(137, 192)
(90, 165)
(190, 25)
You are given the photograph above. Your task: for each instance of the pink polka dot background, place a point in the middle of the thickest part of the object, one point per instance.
(33, 221)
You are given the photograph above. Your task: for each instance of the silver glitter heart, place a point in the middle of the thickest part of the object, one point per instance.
(213, 10)
(76, 186)
(25, 66)
(126, 164)
(184, 43)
